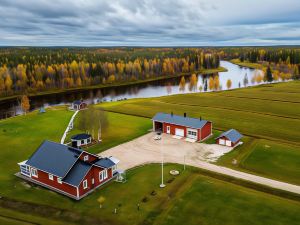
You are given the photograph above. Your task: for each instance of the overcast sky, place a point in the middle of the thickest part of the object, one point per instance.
(149, 22)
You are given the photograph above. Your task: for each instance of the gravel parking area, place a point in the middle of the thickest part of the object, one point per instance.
(145, 150)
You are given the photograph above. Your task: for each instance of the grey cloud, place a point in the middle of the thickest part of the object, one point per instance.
(149, 22)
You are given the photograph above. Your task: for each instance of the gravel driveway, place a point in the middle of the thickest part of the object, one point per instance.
(145, 150)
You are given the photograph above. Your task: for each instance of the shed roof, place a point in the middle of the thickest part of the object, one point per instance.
(77, 173)
(232, 135)
(77, 102)
(180, 120)
(81, 136)
(54, 158)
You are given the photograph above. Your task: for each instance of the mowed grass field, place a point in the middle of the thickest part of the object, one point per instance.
(23, 204)
(121, 128)
(269, 113)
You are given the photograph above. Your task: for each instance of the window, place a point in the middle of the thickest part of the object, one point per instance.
(85, 185)
(82, 142)
(103, 175)
(34, 172)
(59, 180)
(89, 140)
(86, 158)
(50, 176)
(114, 168)
(25, 170)
(193, 133)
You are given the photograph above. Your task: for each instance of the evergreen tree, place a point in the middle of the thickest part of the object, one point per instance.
(269, 74)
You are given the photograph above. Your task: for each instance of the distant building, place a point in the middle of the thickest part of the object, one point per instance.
(79, 140)
(78, 105)
(182, 126)
(66, 170)
(42, 110)
(229, 138)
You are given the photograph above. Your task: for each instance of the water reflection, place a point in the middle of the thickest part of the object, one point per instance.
(239, 76)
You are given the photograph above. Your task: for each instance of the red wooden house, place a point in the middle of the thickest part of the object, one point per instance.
(67, 170)
(182, 126)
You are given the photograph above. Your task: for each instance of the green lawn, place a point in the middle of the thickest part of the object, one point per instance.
(210, 201)
(269, 112)
(222, 202)
(121, 128)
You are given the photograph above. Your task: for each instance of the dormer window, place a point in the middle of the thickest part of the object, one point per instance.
(86, 158)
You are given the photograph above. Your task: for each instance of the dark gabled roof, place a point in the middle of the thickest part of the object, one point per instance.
(77, 173)
(104, 163)
(54, 158)
(77, 102)
(81, 136)
(179, 120)
(232, 135)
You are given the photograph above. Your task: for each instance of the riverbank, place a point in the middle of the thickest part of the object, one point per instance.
(247, 64)
(112, 85)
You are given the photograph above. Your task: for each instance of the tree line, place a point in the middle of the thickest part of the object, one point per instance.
(31, 70)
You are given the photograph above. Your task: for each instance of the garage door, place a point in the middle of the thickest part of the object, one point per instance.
(221, 141)
(228, 143)
(179, 132)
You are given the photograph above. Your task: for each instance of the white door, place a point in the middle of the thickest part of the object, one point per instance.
(192, 133)
(221, 141)
(168, 129)
(228, 143)
(179, 132)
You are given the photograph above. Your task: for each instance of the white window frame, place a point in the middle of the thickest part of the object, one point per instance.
(50, 176)
(103, 175)
(59, 180)
(86, 158)
(34, 172)
(85, 184)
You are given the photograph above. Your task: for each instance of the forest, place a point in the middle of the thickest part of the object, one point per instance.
(30, 70)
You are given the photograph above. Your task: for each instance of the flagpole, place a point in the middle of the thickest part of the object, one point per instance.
(162, 185)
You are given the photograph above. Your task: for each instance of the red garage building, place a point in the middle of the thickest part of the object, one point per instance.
(67, 170)
(182, 126)
(229, 138)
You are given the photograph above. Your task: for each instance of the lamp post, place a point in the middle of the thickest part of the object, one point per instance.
(162, 185)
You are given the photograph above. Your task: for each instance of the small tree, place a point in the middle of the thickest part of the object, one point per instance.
(25, 105)
(101, 200)
(182, 84)
(200, 88)
(269, 74)
(211, 83)
(245, 81)
(228, 84)
(193, 82)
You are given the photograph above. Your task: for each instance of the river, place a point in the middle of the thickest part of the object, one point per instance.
(145, 90)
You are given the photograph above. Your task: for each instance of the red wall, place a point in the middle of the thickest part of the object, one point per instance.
(172, 128)
(224, 138)
(44, 178)
(205, 131)
(202, 133)
(93, 173)
(91, 157)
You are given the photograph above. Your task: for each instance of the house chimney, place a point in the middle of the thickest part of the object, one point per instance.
(200, 118)
(171, 113)
(184, 114)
